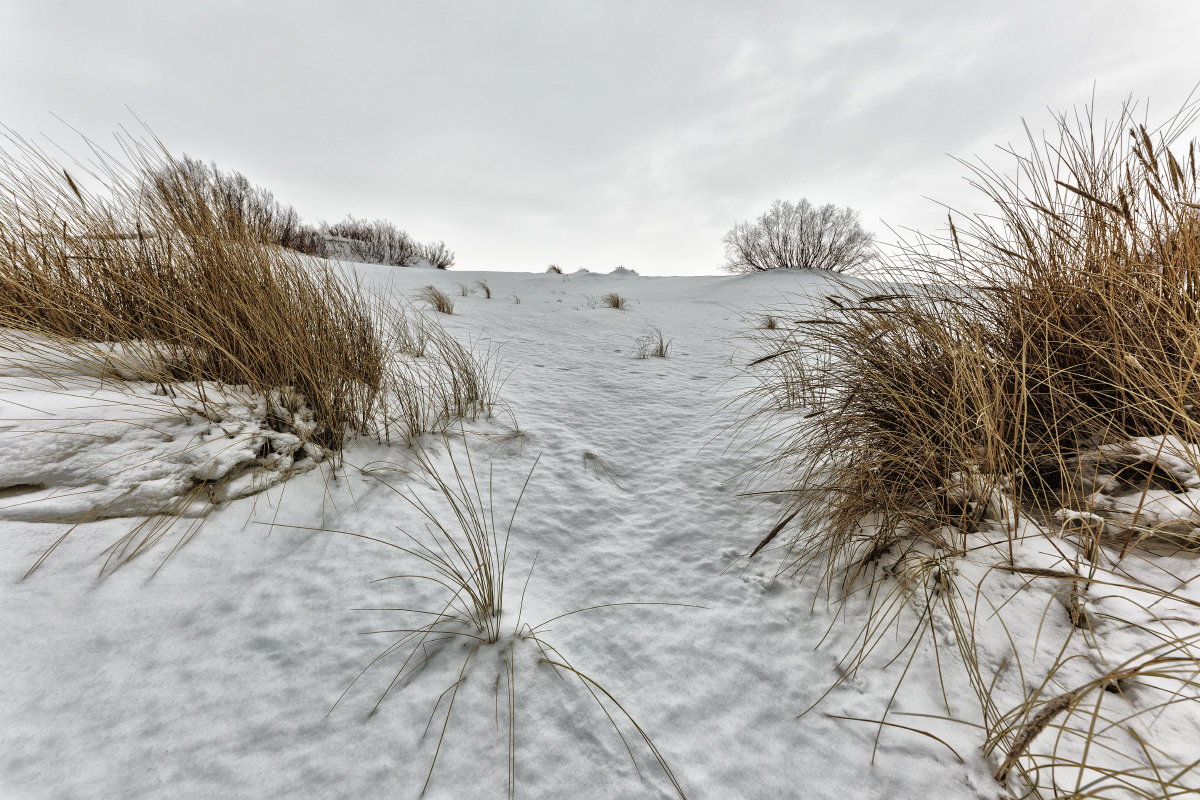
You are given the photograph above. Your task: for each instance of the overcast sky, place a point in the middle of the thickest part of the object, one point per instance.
(589, 133)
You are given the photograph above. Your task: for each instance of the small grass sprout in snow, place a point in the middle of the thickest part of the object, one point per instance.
(464, 290)
(466, 552)
(438, 300)
(600, 468)
(483, 287)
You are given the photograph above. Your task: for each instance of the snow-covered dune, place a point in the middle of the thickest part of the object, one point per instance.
(214, 676)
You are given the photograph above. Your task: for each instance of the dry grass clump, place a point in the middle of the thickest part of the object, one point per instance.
(466, 552)
(156, 277)
(614, 300)
(600, 469)
(438, 300)
(1095, 739)
(651, 345)
(1076, 327)
(152, 262)
(483, 287)
(442, 383)
(1052, 363)
(554, 268)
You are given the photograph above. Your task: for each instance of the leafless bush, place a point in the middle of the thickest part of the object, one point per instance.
(230, 195)
(370, 241)
(799, 236)
(436, 253)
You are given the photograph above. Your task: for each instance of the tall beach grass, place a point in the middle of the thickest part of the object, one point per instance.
(928, 435)
(133, 268)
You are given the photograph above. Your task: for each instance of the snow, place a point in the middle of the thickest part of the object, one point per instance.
(213, 673)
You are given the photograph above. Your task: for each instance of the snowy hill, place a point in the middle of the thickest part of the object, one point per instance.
(215, 675)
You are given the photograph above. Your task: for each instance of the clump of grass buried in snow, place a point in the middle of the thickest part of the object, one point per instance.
(651, 345)
(614, 300)
(466, 552)
(555, 269)
(1003, 397)
(483, 287)
(151, 279)
(438, 300)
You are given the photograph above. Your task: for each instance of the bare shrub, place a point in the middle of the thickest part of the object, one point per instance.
(373, 242)
(799, 236)
(436, 253)
(229, 194)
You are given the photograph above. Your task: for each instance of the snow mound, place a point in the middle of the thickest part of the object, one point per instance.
(92, 450)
